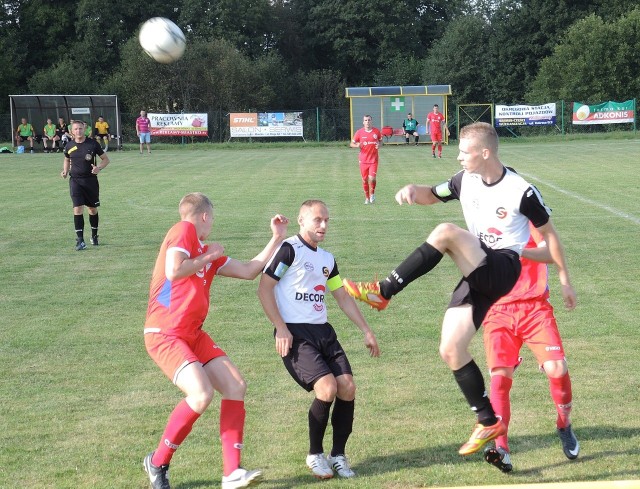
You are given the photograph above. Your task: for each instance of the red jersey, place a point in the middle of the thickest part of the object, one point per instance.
(434, 121)
(533, 281)
(180, 307)
(369, 141)
(143, 124)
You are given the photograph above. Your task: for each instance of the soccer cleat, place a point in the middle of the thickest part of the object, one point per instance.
(158, 476)
(80, 245)
(570, 445)
(368, 292)
(242, 478)
(498, 457)
(372, 199)
(319, 466)
(340, 464)
(366, 202)
(481, 435)
(94, 240)
(440, 156)
(433, 154)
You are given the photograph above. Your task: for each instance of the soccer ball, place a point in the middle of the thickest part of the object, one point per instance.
(162, 40)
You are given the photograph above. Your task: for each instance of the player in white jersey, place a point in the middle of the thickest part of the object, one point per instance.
(292, 291)
(497, 204)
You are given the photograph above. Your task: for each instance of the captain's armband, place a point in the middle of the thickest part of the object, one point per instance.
(442, 190)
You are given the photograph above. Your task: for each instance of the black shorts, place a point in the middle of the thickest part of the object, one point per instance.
(315, 352)
(102, 136)
(487, 283)
(413, 132)
(24, 138)
(84, 191)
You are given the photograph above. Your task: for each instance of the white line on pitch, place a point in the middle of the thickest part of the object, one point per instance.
(616, 212)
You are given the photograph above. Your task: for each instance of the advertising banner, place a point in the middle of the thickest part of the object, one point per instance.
(265, 124)
(178, 124)
(525, 115)
(604, 113)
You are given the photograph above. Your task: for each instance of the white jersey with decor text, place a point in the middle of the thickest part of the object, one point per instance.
(302, 273)
(499, 213)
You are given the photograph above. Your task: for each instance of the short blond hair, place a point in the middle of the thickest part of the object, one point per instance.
(194, 203)
(484, 132)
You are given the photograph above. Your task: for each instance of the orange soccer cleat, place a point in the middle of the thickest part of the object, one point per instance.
(481, 435)
(368, 292)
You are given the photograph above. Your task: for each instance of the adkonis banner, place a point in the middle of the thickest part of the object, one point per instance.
(604, 113)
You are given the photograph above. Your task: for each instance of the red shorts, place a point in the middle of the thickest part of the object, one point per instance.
(173, 353)
(368, 170)
(508, 326)
(436, 137)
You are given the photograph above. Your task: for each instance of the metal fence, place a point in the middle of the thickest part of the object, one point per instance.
(329, 124)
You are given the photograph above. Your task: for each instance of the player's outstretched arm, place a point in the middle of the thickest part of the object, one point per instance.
(351, 309)
(250, 269)
(416, 194)
(266, 294)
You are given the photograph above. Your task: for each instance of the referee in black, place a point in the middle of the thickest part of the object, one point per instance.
(81, 167)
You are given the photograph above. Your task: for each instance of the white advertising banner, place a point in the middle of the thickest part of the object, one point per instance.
(265, 124)
(178, 124)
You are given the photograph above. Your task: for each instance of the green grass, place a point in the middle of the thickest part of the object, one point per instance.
(81, 403)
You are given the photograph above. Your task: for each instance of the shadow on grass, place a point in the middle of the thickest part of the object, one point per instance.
(448, 454)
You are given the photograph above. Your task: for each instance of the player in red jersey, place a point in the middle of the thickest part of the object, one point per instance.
(525, 316)
(435, 120)
(368, 139)
(178, 306)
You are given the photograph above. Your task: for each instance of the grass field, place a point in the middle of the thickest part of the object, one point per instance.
(81, 403)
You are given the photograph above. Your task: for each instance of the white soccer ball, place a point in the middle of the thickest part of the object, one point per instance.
(162, 40)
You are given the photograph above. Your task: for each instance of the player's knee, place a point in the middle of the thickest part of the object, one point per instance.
(200, 400)
(555, 368)
(347, 390)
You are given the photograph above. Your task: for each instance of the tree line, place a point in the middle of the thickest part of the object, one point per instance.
(297, 54)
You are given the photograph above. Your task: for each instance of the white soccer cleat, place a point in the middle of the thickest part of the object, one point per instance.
(372, 199)
(241, 478)
(319, 466)
(341, 465)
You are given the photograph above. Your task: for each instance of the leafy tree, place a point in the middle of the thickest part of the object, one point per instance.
(596, 61)
(459, 59)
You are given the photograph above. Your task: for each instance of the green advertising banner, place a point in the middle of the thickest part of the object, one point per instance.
(604, 113)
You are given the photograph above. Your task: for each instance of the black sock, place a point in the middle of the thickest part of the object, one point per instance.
(424, 258)
(471, 383)
(318, 420)
(78, 222)
(342, 423)
(93, 221)
(417, 139)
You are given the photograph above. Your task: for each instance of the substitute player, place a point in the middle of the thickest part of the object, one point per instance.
(435, 121)
(102, 132)
(174, 338)
(410, 128)
(292, 292)
(525, 316)
(80, 165)
(497, 205)
(368, 139)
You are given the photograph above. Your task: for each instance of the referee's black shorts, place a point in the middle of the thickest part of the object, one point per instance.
(84, 191)
(315, 352)
(487, 283)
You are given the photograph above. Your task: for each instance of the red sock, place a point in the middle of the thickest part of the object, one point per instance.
(499, 396)
(433, 148)
(232, 414)
(439, 150)
(372, 187)
(561, 394)
(365, 187)
(178, 427)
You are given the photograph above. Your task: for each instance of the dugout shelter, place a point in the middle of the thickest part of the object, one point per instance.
(38, 108)
(389, 106)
